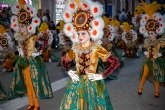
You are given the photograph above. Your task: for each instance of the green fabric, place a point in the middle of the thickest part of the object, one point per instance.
(54, 58)
(156, 69)
(3, 94)
(93, 93)
(39, 77)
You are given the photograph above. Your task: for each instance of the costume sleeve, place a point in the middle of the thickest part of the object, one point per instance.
(66, 60)
(114, 64)
(106, 56)
(102, 53)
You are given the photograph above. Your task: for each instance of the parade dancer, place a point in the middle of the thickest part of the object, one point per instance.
(30, 74)
(152, 25)
(129, 36)
(6, 50)
(136, 23)
(86, 89)
(45, 41)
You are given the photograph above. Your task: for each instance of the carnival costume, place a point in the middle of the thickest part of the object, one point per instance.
(129, 36)
(3, 93)
(6, 50)
(64, 41)
(30, 73)
(118, 33)
(45, 41)
(136, 22)
(154, 65)
(84, 90)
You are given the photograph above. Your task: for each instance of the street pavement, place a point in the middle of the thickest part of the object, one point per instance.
(123, 91)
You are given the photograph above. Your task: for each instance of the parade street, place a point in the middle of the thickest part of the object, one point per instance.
(123, 90)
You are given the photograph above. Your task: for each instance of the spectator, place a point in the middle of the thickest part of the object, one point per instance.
(122, 16)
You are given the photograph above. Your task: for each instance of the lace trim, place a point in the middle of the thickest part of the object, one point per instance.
(77, 48)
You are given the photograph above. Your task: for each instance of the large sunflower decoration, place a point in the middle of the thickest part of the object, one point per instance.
(152, 20)
(128, 34)
(83, 15)
(5, 39)
(24, 14)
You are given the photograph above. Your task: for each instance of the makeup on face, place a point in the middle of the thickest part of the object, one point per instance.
(83, 36)
(152, 35)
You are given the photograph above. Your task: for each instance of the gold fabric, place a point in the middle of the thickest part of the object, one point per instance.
(93, 53)
(157, 44)
(29, 46)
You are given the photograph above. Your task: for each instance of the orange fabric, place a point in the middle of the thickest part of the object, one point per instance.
(156, 87)
(33, 100)
(145, 73)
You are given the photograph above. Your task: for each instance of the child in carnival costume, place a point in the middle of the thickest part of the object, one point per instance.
(64, 41)
(84, 26)
(118, 34)
(136, 22)
(45, 41)
(6, 50)
(30, 75)
(152, 25)
(129, 36)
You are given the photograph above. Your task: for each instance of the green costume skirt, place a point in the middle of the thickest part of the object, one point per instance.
(39, 78)
(156, 70)
(3, 94)
(93, 94)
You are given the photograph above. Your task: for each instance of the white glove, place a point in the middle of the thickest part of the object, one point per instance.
(159, 54)
(94, 77)
(145, 53)
(35, 54)
(20, 51)
(73, 75)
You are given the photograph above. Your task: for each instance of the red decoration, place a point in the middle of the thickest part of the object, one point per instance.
(72, 5)
(68, 28)
(160, 19)
(28, 8)
(145, 17)
(17, 6)
(36, 21)
(95, 10)
(161, 25)
(13, 20)
(30, 28)
(85, 5)
(14, 25)
(96, 23)
(94, 32)
(67, 15)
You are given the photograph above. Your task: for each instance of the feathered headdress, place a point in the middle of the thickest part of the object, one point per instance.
(61, 25)
(83, 15)
(107, 21)
(128, 33)
(151, 20)
(2, 30)
(24, 14)
(115, 23)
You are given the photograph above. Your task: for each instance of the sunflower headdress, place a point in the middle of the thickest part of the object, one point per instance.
(83, 15)
(151, 20)
(128, 34)
(24, 14)
(5, 39)
(45, 33)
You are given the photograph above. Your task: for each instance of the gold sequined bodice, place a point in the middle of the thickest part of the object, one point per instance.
(87, 58)
(28, 46)
(153, 47)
